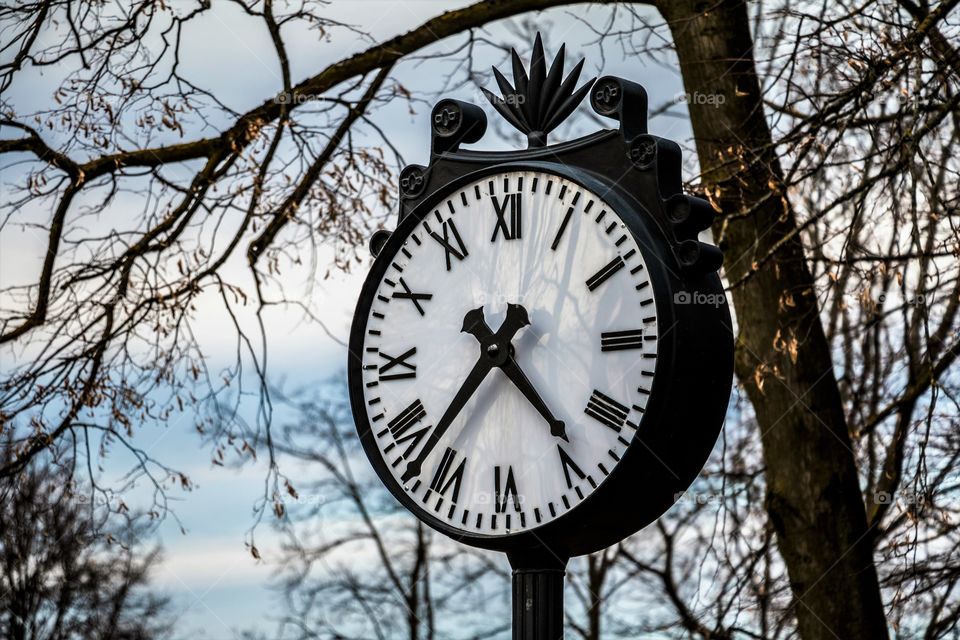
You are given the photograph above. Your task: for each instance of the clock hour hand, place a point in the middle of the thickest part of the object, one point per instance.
(520, 380)
(476, 325)
(516, 319)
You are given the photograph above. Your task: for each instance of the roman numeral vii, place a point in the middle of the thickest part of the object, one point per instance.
(445, 478)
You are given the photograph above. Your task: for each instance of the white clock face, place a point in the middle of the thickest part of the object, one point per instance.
(492, 425)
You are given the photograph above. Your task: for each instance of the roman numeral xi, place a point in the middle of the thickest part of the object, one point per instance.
(450, 240)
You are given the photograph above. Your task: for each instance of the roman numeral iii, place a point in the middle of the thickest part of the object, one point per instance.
(619, 340)
(510, 225)
(606, 411)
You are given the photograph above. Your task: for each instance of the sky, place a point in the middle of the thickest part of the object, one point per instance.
(217, 586)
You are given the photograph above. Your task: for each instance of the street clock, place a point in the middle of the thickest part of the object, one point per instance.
(541, 356)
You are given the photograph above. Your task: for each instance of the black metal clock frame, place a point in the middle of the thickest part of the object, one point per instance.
(639, 175)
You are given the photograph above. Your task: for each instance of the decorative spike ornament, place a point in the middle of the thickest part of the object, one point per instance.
(537, 102)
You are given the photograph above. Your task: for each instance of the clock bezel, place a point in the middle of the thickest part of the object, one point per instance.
(559, 533)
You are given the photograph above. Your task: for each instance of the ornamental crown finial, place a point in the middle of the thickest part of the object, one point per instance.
(537, 103)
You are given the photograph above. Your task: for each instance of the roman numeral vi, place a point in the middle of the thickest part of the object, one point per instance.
(502, 494)
(444, 478)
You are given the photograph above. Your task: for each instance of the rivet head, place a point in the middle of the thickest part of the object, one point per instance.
(643, 152)
(412, 181)
(446, 118)
(606, 96)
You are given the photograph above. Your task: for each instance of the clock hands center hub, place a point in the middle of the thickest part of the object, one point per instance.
(498, 348)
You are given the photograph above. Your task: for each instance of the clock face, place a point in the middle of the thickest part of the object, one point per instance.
(509, 351)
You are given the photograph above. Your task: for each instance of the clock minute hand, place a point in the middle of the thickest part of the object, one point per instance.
(480, 370)
(520, 380)
(469, 386)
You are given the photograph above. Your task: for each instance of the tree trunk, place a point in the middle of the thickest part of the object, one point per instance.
(783, 358)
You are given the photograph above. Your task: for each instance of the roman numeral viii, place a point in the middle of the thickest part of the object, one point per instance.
(401, 428)
(503, 493)
(449, 237)
(402, 422)
(606, 411)
(444, 478)
(404, 369)
(510, 225)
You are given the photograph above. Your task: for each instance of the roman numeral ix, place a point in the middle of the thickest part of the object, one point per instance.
(606, 411)
(510, 227)
(406, 369)
(449, 230)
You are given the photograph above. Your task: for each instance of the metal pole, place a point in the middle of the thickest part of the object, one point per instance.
(537, 595)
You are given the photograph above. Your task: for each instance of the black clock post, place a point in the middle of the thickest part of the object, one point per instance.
(596, 400)
(537, 594)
